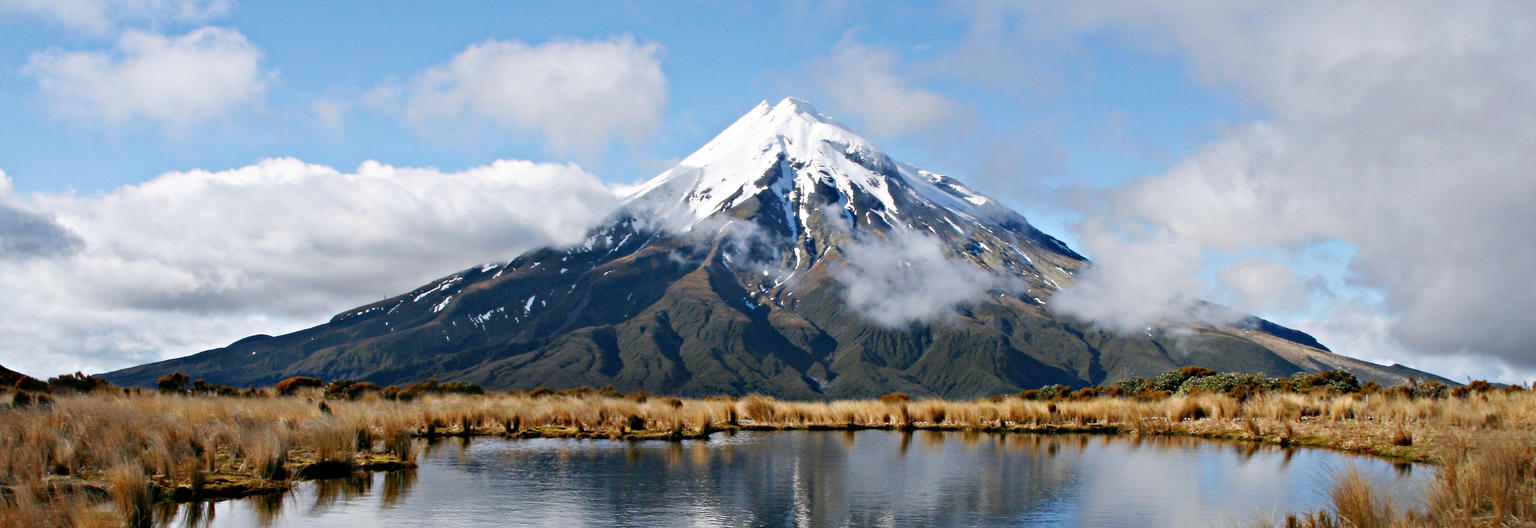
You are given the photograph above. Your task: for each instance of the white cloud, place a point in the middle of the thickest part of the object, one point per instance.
(578, 94)
(1261, 285)
(910, 279)
(864, 81)
(101, 16)
(179, 80)
(26, 234)
(193, 260)
(1138, 279)
(1402, 129)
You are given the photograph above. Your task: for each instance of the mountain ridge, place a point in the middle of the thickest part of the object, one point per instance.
(787, 256)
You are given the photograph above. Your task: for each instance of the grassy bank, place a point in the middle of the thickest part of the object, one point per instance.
(105, 457)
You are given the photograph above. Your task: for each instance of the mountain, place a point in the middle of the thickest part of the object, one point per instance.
(788, 256)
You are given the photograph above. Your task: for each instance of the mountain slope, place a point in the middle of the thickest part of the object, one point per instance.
(788, 256)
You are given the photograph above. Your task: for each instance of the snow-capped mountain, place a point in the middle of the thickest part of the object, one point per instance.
(787, 256)
(796, 175)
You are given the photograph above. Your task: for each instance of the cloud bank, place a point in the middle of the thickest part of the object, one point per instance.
(193, 260)
(1401, 129)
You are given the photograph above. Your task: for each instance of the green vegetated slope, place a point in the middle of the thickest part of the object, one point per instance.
(665, 315)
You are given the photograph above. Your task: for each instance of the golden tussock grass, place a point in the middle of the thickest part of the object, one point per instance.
(108, 457)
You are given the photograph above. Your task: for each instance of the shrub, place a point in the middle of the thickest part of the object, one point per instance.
(462, 387)
(1473, 387)
(1134, 386)
(28, 399)
(1168, 381)
(1336, 381)
(1054, 392)
(1235, 384)
(28, 383)
(348, 389)
(1193, 371)
(578, 392)
(895, 397)
(1430, 389)
(174, 382)
(291, 385)
(78, 382)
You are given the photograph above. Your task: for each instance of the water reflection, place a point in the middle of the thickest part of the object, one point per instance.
(835, 478)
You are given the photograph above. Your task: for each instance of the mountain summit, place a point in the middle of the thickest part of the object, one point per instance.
(787, 256)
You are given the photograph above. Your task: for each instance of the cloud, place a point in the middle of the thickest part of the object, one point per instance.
(193, 260)
(102, 16)
(26, 234)
(909, 279)
(1401, 129)
(1261, 285)
(864, 81)
(1138, 279)
(180, 80)
(578, 94)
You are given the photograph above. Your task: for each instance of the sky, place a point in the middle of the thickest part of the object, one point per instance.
(178, 174)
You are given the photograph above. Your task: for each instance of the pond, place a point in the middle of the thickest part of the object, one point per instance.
(827, 478)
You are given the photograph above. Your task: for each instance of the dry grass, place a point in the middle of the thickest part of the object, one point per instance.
(108, 457)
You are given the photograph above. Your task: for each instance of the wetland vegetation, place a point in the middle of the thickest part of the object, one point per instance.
(77, 452)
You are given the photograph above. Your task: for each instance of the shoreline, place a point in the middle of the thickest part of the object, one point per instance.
(138, 449)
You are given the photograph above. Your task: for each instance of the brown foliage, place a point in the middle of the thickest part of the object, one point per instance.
(291, 385)
(174, 382)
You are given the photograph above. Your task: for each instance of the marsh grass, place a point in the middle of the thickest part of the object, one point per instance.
(85, 457)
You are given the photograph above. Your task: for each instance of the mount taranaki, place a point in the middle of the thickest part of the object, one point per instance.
(789, 257)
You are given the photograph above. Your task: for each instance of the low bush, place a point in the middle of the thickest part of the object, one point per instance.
(291, 385)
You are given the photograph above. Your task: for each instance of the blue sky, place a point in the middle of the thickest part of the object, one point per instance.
(1269, 156)
(1110, 113)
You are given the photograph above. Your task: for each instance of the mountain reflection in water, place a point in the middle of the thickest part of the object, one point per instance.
(824, 478)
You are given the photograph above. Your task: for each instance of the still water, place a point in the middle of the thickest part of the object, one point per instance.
(797, 478)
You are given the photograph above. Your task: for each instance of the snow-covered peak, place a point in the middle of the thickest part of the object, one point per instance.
(732, 166)
(789, 164)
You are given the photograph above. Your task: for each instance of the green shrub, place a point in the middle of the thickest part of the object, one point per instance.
(1336, 381)
(1135, 385)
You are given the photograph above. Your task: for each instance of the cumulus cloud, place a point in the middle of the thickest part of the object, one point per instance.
(26, 234)
(864, 81)
(194, 260)
(909, 279)
(1401, 129)
(578, 94)
(101, 16)
(178, 80)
